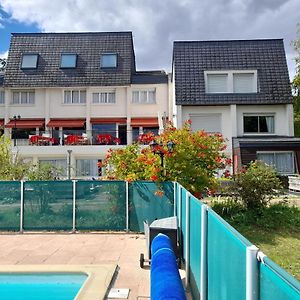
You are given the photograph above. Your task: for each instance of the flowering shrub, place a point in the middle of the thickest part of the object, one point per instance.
(146, 138)
(193, 162)
(256, 185)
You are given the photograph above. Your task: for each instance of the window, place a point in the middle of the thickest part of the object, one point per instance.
(104, 97)
(259, 124)
(217, 83)
(283, 162)
(109, 60)
(243, 83)
(23, 97)
(230, 81)
(208, 122)
(74, 97)
(88, 167)
(60, 164)
(68, 61)
(2, 99)
(29, 61)
(147, 96)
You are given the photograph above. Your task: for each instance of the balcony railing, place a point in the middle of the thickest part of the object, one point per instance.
(77, 137)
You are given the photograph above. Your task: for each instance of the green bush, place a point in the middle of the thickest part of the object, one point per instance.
(256, 185)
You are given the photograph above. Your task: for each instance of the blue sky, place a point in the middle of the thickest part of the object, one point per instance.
(155, 23)
(8, 26)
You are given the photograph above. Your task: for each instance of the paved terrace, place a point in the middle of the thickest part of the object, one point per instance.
(80, 249)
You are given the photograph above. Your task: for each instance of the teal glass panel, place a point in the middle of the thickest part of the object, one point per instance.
(100, 205)
(10, 205)
(147, 204)
(195, 246)
(226, 261)
(277, 284)
(183, 223)
(177, 197)
(48, 205)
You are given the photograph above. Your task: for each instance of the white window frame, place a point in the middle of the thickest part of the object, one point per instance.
(72, 91)
(20, 100)
(147, 91)
(106, 93)
(2, 97)
(230, 73)
(274, 152)
(259, 115)
(89, 159)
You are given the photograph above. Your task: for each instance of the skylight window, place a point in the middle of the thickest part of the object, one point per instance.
(68, 60)
(29, 61)
(109, 60)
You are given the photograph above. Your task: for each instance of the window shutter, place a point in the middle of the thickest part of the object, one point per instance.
(217, 83)
(206, 122)
(243, 83)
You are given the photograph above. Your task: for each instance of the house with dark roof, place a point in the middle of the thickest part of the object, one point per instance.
(239, 88)
(77, 95)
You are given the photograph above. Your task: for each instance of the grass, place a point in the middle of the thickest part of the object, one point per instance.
(274, 229)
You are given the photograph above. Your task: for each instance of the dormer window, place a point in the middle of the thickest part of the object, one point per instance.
(233, 81)
(29, 61)
(68, 61)
(109, 60)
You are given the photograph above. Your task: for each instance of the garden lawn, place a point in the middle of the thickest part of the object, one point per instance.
(275, 230)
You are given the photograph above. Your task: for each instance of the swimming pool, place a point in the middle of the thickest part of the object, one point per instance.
(41, 286)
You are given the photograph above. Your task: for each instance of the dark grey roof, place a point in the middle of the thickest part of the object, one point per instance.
(265, 141)
(88, 46)
(149, 77)
(1, 80)
(191, 59)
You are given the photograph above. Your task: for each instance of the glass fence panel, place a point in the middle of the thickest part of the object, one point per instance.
(277, 284)
(149, 201)
(195, 245)
(226, 260)
(10, 204)
(183, 223)
(48, 205)
(100, 205)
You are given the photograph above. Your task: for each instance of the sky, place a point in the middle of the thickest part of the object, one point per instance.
(156, 23)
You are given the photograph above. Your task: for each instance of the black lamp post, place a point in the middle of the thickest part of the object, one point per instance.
(15, 118)
(158, 149)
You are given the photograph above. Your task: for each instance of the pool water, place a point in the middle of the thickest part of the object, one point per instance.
(40, 286)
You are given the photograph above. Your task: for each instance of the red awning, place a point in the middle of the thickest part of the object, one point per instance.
(145, 122)
(1, 122)
(66, 123)
(26, 123)
(108, 120)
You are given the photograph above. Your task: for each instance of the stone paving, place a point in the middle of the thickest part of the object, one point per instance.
(93, 248)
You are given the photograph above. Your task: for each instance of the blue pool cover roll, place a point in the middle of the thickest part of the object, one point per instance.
(165, 278)
(159, 242)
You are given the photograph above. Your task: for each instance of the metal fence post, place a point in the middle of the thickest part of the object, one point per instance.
(174, 197)
(74, 206)
(127, 205)
(203, 257)
(251, 273)
(187, 240)
(22, 207)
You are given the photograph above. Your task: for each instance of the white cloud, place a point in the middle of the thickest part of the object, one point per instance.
(156, 23)
(4, 54)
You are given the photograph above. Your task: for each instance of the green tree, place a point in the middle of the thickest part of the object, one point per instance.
(3, 62)
(194, 161)
(12, 167)
(296, 85)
